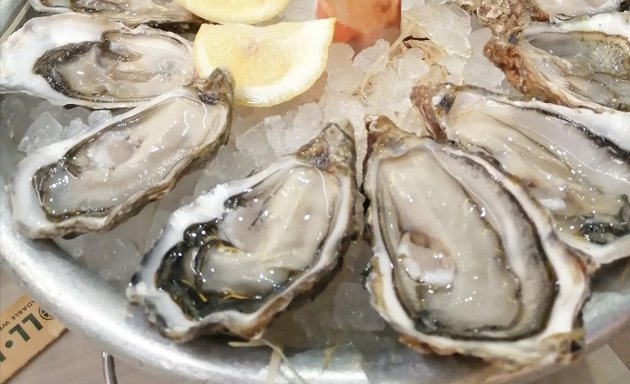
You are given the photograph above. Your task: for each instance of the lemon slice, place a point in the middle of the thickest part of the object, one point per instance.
(235, 11)
(271, 64)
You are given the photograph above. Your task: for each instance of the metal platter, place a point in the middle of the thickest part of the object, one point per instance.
(90, 306)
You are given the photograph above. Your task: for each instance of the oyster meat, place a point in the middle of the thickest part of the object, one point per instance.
(582, 63)
(464, 260)
(132, 12)
(576, 162)
(95, 181)
(239, 254)
(94, 62)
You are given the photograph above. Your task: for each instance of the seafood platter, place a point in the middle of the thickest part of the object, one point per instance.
(319, 192)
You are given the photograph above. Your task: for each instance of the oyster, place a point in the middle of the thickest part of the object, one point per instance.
(96, 63)
(505, 15)
(576, 162)
(565, 9)
(464, 260)
(95, 181)
(132, 12)
(239, 254)
(579, 63)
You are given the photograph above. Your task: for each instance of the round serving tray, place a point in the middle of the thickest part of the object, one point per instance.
(87, 304)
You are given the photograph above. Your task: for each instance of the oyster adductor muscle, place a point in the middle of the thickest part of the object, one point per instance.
(582, 62)
(465, 261)
(576, 162)
(72, 59)
(240, 253)
(98, 179)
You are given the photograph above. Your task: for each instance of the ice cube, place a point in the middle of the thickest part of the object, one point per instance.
(478, 40)
(412, 122)
(353, 310)
(229, 165)
(373, 59)
(343, 76)
(45, 130)
(298, 10)
(389, 93)
(13, 124)
(97, 118)
(307, 124)
(12, 116)
(63, 115)
(454, 64)
(75, 128)
(479, 70)
(256, 144)
(114, 255)
(275, 130)
(411, 65)
(446, 25)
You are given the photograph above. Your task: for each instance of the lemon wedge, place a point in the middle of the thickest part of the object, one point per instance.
(235, 11)
(270, 64)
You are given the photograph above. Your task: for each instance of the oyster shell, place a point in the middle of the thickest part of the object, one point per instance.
(464, 260)
(95, 181)
(503, 16)
(239, 254)
(95, 62)
(50, 6)
(576, 162)
(579, 63)
(566, 9)
(132, 12)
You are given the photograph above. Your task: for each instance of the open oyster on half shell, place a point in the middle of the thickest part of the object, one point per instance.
(72, 59)
(96, 180)
(465, 261)
(240, 253)
(131, 12)
(582, 62)
(503, 16)
(575, 162)
(556, 10)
